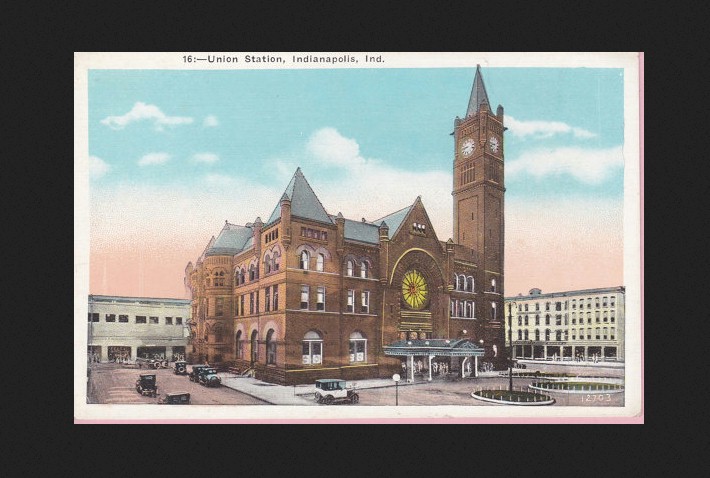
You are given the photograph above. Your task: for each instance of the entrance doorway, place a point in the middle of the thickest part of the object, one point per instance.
(119, 353)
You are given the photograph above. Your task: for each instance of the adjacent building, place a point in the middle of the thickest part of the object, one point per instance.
(124, 328)
(574, 325)
(310, 294)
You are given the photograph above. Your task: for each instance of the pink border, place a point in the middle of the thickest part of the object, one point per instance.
(444, 421)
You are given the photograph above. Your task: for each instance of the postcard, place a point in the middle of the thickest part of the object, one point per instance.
(358, 237)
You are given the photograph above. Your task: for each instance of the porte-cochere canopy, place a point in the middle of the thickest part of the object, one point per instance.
(436, 347)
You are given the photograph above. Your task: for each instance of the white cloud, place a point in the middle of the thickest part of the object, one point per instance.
(154, 158)
(205, 158)
(210, 121)
(142, 111)
(218, 179)
(591, 166)
(328, 146)
(544, 129)
(97, 167)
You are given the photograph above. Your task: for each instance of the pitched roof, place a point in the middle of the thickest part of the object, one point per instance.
(231, 240)
(362, 231)
(478, 94)
(304, 202)
(395, 219)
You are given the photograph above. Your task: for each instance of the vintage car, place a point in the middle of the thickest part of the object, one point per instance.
(208, 377)
(194, 373)
(330, 390)
(151, 363)
(180, 368)
(145, 385)
(175, 398)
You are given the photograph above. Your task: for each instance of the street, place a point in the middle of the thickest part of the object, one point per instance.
(113, 383)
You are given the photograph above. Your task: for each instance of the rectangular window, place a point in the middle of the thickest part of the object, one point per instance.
(606, 333)
(178, 320)
(596, 316)
(605, 301)
(153, 320)
(613, 301)
(596, 302)
(351, 301)
(256, 303)
(320, 298)
(589, 302)
(526, 307)
(123, 318)
(365, 302)
(267, 299)
(574, 304)
(324, 236)
(276, 297)
(526, 320)
(613, 317)
(241, 303)
(305, 290)
(558, 319)
(613, 333)
(110, 317)
(251, 302)
(140, 319)
(558, 305)
(219, 309)
(168, 321)
(93, 317)
(547, 306)
(537, 320)
(597, 333)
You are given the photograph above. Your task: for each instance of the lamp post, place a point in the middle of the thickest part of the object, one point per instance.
(396, 379)
(510, 341)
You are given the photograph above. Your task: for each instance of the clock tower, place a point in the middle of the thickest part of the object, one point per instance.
(478, 192)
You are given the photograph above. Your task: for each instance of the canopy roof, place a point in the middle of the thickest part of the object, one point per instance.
(438, 347)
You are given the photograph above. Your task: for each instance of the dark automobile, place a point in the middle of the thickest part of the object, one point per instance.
(208, 377)
(175, 398)
(145, 385)
(194, 373)
(180, 368)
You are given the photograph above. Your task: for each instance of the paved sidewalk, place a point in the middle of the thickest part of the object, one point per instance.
(298, 394)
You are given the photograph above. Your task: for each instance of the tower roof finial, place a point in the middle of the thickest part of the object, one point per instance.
(478, 94)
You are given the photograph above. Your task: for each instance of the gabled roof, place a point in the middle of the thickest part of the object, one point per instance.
(395, 219)
(478, 94)
(231, 240)
(304, 202)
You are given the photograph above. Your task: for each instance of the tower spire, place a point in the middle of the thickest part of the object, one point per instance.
(478, 94)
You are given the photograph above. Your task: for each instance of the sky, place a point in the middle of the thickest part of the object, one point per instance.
(172, 154)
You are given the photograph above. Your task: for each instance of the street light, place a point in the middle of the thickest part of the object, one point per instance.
(510, 341)
(396, 379)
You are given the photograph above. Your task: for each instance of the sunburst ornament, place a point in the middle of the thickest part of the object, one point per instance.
(414, 289)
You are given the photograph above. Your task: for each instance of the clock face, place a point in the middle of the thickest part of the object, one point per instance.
(494, 144)
(414, 289)
(468, 147)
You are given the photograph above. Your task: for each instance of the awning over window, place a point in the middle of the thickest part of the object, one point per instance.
(437, 347)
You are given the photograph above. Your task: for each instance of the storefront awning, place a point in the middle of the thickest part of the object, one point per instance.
(437, 347)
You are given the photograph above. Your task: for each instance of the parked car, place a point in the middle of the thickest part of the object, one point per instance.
(175, 398)
(194, 373)
(145, 385)
(208, 377)
(331, 390)
(151, 363)
(180, 368)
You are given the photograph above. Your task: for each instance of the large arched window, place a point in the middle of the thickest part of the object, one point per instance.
(267, 264)
(312, 348)
(304, 260)
(277, 261)
(469, 284)
(270, 348)
(364, 269)
(350, 268)
(320, 261)
(254, 346)
(239, 344)
(358, 347)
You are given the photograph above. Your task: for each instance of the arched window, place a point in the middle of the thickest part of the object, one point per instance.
(240, 345)
(252, 272)
(547, 334)
(270, 348)
(520, 334)
(493, 311)
(277, 260)
(558, 335)
(242, 276)
(312, 348)
(305, 259)
(493, 285)
(350, 267)
(358, 347)
(267, 264)
(526, 335)
(364, 272)
(469, 309)
(320, 260)
(462, 282)
(537, 334)
(254, 346)
(469, 284)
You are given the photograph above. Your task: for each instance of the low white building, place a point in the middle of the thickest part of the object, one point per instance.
(573, 325)
(124, 328)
